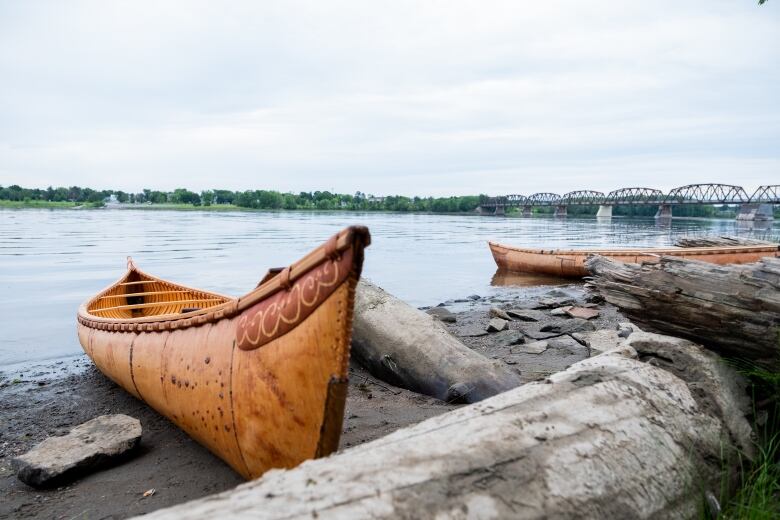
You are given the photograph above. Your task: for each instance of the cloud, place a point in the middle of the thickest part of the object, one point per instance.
(389, 97)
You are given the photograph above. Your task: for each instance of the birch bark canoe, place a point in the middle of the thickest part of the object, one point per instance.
(259, 380)
(610, 437)
(734, 310)
(410, 349)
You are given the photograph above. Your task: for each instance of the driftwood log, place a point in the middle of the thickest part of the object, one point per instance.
(610, 437)
(410, 349)
(733, 309)
(719, 241)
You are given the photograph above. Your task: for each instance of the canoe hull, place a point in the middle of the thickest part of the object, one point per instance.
(272, 405)
(571, 263)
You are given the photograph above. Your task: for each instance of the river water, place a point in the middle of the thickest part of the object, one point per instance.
(52, 260)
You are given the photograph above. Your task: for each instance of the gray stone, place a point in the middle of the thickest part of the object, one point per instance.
(568, 346)
(526, 314)
(599, 341)
(531, 329)
(626, 328)
(507, 338)
(557, 293)
(495, 312)
(472, 332)
(474, 297)
(537, 347)
(497, 325)
(561, 312)
(87, 447)
(443, 314)
(568, 326)
(552, 303)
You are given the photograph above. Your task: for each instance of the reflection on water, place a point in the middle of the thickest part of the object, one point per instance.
(509, 279)
(52, 260)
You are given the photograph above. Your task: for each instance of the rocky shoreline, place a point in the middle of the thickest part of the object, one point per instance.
(539, 335)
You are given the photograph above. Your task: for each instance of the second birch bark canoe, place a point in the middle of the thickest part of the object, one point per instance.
(571, 262)
(260, 380)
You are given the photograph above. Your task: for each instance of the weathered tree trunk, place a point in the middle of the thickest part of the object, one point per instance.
(610, 437)
(410, 349)
(732, 309)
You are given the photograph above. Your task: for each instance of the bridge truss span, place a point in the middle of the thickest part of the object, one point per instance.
(543, 199)
(707, 194)
(627, 196)
(583, 198)
(769, 194)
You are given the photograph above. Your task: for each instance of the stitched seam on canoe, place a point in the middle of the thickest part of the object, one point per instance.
(132, 376)
(233, 410)
(164, 368)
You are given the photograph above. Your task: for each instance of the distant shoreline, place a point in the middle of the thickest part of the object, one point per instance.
(44, 204)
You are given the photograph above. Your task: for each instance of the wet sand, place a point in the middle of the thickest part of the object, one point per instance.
(50, 399)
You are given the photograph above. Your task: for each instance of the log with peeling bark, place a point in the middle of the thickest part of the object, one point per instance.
(733, 309)
(410, 349)
(610, 437)
(719, 241)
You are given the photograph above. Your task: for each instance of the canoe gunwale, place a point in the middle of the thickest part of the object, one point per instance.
(332, 249)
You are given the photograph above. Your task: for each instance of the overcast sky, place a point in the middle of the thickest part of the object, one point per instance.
(396, 97)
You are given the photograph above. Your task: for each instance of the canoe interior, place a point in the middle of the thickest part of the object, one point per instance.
(139, 295)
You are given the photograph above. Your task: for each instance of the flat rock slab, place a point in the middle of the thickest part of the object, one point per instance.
(599, 341)
(537, 347)
(561, 311)
(582, 312)
(472, 332)
(443, 314)
(508, 338)
(497, 325)
(567, 327)
(526, 314)
(552, 303)
(87, 447)
(495, 312)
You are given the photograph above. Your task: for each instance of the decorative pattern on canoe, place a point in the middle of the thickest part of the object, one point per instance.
(282, 312)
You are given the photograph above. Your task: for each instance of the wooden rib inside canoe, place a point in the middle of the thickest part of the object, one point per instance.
(571, 262)
(261, 379)
(156, 297)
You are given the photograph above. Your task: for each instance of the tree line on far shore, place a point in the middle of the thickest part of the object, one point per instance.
(317, 200)
(256, 199)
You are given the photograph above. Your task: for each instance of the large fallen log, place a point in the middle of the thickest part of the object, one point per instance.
(733, 309)
(610, 437)
(719, 241)
(410, 349)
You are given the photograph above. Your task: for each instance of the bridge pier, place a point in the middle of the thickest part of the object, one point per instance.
(560, 211)
(604, 211)
(527, 211)
(756, 212)
(500, 211)
(664, 211)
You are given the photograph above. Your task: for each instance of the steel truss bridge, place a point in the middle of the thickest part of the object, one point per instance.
(763, 197)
